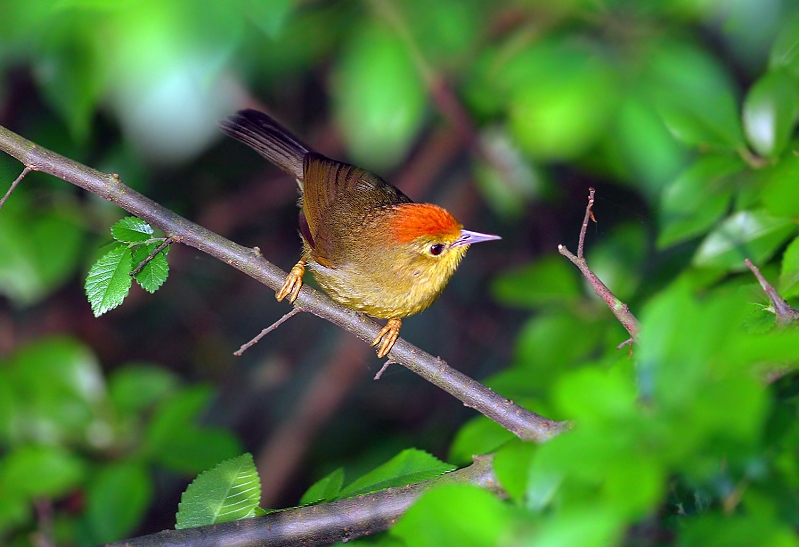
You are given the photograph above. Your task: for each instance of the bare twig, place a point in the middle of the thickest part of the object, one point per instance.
(267, 330)
(166, 243)
(619, 308)
(323, 524)
(21, 176)
(784, 312)
(520, 421)
(384, 368)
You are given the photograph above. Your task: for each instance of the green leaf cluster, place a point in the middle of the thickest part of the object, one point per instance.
(90, 445)
(110, 277)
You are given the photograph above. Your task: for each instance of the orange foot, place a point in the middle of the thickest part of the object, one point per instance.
(291, 287)
(386, 337)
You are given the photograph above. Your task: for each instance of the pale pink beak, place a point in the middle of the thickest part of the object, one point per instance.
(467, 238)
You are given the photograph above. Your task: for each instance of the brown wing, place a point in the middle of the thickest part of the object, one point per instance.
(337, 197)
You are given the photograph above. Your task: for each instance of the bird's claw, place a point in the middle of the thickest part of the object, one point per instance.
(386, 337)
(291, 287)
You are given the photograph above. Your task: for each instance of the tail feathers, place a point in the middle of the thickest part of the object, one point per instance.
(268, 138)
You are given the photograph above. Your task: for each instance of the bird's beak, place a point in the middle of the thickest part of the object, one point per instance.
(467, 238)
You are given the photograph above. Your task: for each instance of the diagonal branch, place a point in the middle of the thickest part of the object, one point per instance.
(323, 524)
(520, 421)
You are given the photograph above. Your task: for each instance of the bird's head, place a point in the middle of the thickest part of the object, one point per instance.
(432, 242)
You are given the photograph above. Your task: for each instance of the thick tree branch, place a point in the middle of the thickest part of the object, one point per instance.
(323, 524)
(522, 422)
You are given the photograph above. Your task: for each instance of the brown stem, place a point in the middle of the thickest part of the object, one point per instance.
(784, 312)
(520, 421)
(619, 308)
(166, 243)
(323, 524)
(14, 185)
(266, 331)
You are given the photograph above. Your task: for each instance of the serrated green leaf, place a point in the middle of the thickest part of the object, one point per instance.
(697, 199)
(746, 234)
(108, 281)
(325, 489)
(789, 274)
(117, 499)
(131, 230)
(230, 491)
(155, 272)
(769, 112)
(407, 467)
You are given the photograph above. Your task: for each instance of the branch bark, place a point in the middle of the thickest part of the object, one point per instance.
(520, 421)
(322, 524)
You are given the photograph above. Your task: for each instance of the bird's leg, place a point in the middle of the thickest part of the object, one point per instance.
(291, 287)
(386, 337)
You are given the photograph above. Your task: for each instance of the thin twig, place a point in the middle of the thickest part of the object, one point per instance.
(267, 330)
(166, 243)
(14, 185)
(784, 312)
(384, 368)
(619, 308)
(589, 214)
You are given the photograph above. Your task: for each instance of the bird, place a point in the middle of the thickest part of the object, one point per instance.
(367, 244)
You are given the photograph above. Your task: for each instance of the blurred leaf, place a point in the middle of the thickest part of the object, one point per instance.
(512, 467)
(454, 514)
(548, 280)
(379, 97)
(36, 257)
(109, 281)
(567, 109)
(550, 342)
(477, 436)
(174, 439)
(407, 467)
(596, 527)
(746, 234)
(694, 96)
(230, 491)
(40, 471)
(117, 499)
(445, 31)
(325, 489)
(739, 530)
(155, 272)
(769, 113)
(789, 275)
(785, 51)
(760, 320)
(776, 186)
(646, 144)
(618, 259)
(57, 386)
(135, 387)
(697, 199)
(269, 15)
(131, 230)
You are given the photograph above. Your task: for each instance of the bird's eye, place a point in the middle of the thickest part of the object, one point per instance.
(437, 249)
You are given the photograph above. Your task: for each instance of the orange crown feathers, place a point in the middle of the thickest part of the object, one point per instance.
(412, 220)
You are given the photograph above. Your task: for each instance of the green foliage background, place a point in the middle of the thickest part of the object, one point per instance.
(681, 113)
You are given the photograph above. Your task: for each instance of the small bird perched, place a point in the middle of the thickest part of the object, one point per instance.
(369, 246)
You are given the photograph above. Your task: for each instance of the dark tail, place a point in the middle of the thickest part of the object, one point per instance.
(268, 138)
